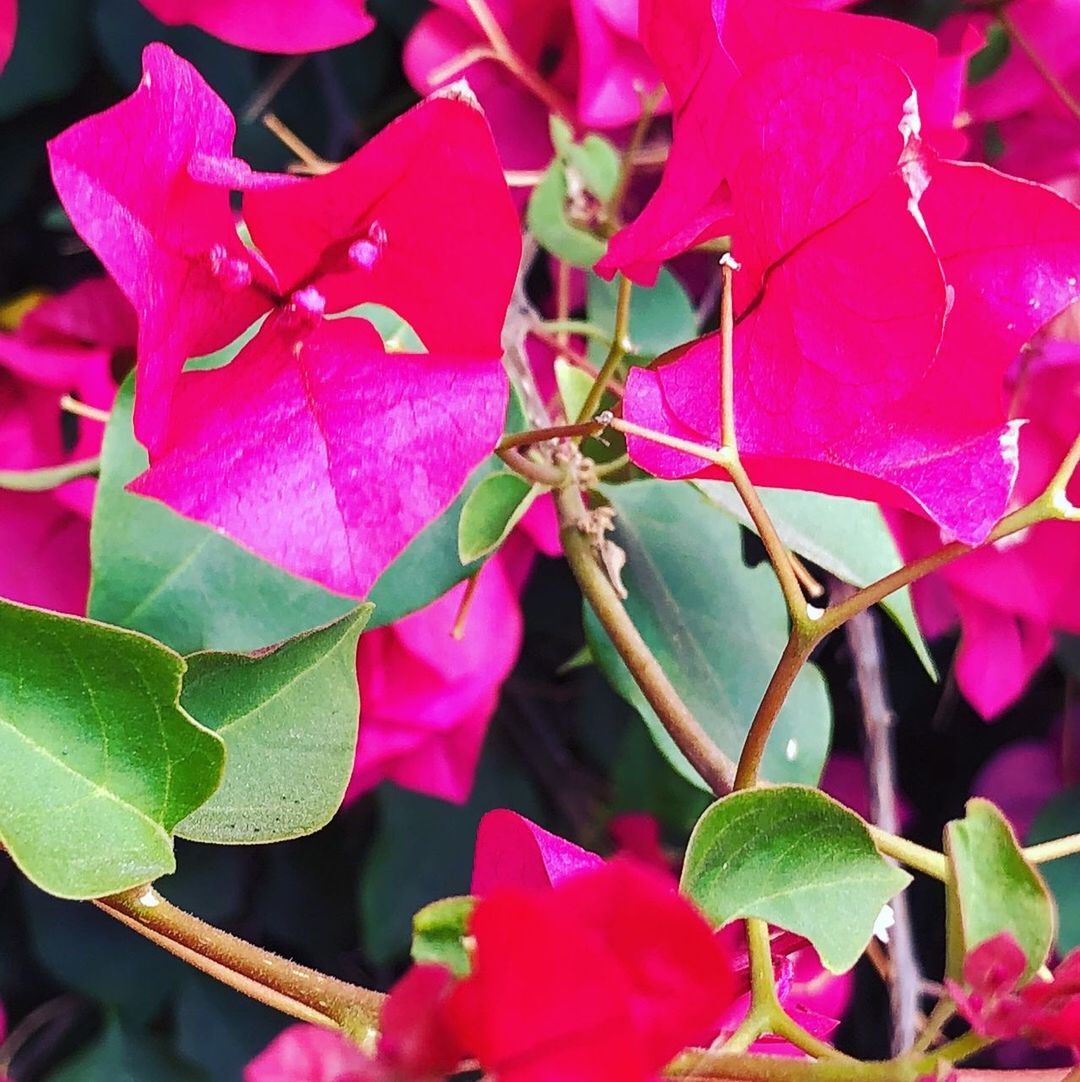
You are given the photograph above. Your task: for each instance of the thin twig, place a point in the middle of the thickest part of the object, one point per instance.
(80, 409)
(540, 473)
(1039, 64)
(265, 94)
(620, 346)
(650, 102)
(878, 721)
(312, 162)
(715, 768)
(505, 53)
(521, 317)
(1053, 850)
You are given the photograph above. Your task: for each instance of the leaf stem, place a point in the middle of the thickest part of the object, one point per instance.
(540, 473)
(48, 477)
(1008, 24)
(313, 163)
(650, 102)
(715, 768)
(1053, 850)
(507, 55)
(726, 460)
(767, 1014)
(620, 346)
(70, 404)
(910, 853)
(581, 327)
(752, 1067)
(775, 549)
(542, 435)
(286, 986)
(788, 668)
(940, 1017)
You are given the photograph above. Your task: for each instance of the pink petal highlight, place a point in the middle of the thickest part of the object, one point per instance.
(512, 851)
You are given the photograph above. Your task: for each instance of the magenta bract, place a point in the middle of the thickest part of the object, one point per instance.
(314, 448)
(273, 26)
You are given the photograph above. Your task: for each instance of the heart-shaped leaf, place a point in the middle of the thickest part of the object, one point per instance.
(993, 889)
(98, 762)
(491, 511)
(796, 858)
(288, 717)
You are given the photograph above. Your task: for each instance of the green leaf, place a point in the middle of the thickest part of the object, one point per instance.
(584, 176)
(439, 930)
(597, 165)
(1059, 818)
(661, 317)
(288, 717)
(595, 160)
(48, 477)
(548, 222)
(98, 762)
(188, 586)
(716, 626)
(227, 354)
(179, 581)
(796, 858)
(574, 386)
(848, 538)
(991, 56)
(580, 659)
(993, 889)
(491, 511)
(119, 1055)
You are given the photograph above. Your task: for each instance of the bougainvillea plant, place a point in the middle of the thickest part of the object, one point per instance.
(326, 419)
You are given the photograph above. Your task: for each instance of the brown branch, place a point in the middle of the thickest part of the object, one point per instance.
(286, 986)
(715, 768)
